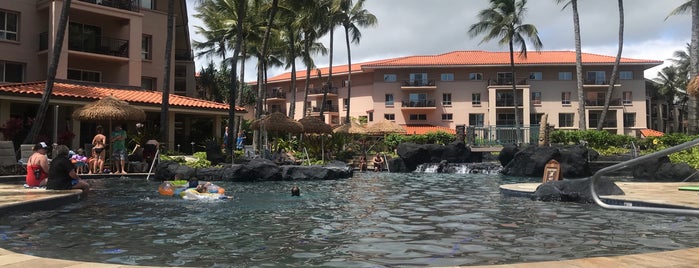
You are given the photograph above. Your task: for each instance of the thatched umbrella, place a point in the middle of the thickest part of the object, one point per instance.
(277, 122)
(351, 128)
(385, 127)
(315, 125)
(109, 108)
(693, 86)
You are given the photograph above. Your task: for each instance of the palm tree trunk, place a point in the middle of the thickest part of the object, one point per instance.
(349, 76)
(307, 59)
(661, 119)
(243, 58)
(292, 90)
(234, 78)
(582, 122)
(518, 130)
(693, 103)
(612, 80)
(165, 105)
(263, 58)
(330, 75)
(50, 74)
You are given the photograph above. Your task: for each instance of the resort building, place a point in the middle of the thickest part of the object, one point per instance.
(109, 46)
(473, 88)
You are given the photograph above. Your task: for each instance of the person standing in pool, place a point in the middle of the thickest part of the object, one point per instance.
(38, 166)
(62, 175)
(99, 142)
(119, 149)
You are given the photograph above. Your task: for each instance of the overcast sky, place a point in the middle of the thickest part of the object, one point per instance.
(418, 27)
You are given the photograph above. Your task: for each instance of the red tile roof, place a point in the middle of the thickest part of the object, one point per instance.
(651, 133)
(424, 129)
(88, 92)
(471, 58)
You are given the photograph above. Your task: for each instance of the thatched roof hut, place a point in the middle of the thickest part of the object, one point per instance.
(351, 128)
(277, 122)
(109, 108)
(385, 127)
(315, 125)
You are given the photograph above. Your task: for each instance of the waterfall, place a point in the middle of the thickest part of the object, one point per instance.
(459, 168)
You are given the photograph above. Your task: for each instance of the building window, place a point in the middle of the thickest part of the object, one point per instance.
(475, 76)
(565, 76)
(504, 119)
(476, 99)
(148, 4)
(11, 72)
(418, 79)
(535, 76)
(629, 119)
(476, 120)
(448, 77)
(421, 117)
(504, 78)
(344, 104)
(595, 78)
(626, 75)
(148, 83)
(146, 45)
(535, 119)
(565, 120)
(389, 78)
(536, 98)
(82, 75)
(9, 25)
(371, 116)
(626, 98)
(389, 99)
(447, 117)
(345, 82)
(391, 117)
(565, 98)
(446, 99)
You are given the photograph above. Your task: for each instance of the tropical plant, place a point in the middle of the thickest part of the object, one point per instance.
(503, 20)
(352, 17)
(671, 84)
(582, 124)
(612, 80)
(692, 6)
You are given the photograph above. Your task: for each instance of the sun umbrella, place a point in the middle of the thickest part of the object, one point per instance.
(385, 127)
(277, 122)
(315, 126)
(351, 128)
(109, 108)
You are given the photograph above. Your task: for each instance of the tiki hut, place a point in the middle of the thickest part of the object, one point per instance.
(313, 125)
(351, 128)
(277, 122)
(385, 127)
(109, 108)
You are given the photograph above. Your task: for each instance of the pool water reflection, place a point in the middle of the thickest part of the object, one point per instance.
(370, 220)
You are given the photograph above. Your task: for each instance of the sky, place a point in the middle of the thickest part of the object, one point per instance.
(418, 27)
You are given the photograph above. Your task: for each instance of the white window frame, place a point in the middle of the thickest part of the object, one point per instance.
(536, 98)
(476, 99)
(536, 76)
(627, 98)
(478, 117)
(447, 117)
(5, 32)
(572, 119)
(418, 117)
(3, 71)
(83, 72)
(475, 76)
(600, 77)
(387, 78)
(565, 97)
(565, 76)
(390, 117)
(388, 102)
(626, 75)
(446, 99)
(147, 52)
(447, 77)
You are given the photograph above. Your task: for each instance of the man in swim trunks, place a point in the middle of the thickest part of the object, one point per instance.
(38, 166)
(98, 145)
(119, 149)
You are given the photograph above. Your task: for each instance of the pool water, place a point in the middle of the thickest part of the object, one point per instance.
(369, 220)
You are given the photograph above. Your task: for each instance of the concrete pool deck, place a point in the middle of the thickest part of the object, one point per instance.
(14, 197)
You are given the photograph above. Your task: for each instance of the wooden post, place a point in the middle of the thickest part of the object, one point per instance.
(552, 171)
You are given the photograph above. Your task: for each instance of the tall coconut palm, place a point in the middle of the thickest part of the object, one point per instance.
(692, 6)
(353, 17)
(671, 84)
(615, 69)
(291, 35)
(504, 20)
(271, 11)
(50, 74)
(165, 104)
(582, 124)
(311, 18)
(333, 16)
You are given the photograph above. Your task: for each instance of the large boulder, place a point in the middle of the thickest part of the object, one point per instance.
(575, 190)
(507, 153)
(530, 161)
(397, 165)
(412, 154)
(330, 172)
(456, 152)
(662, 170)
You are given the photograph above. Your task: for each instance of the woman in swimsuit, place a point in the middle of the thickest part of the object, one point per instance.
(98, 144)
(38, 166)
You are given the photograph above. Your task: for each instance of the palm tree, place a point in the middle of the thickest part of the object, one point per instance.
(353, 16)
(165, 104)
(612, 79)
(271, 11)
(693, 103)
(503, 20)
(582, 124)
(670, 83)
(50, 74)
(310, 19)
(333, 19)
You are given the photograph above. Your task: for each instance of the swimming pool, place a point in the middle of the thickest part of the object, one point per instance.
(369, 220)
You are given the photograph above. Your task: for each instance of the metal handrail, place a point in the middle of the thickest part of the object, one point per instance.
(634, 162)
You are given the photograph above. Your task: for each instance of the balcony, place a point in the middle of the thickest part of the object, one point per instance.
(507, 102)
(418, 84)
(183, 54)
(319, 91)
(418, 105)
(130, 5)
(506, 82)
(328, 108)
(598, 83)
(600, 102)
(92, 44)
(276, 96)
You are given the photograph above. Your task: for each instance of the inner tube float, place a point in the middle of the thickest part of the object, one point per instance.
(181, 188)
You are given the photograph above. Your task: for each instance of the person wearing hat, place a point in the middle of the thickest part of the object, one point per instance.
(62, 175)
(38, 166)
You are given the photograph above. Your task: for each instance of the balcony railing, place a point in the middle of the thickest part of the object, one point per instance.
(600, 102)
(313, 91)
(183, 54)
(506, 81)
(480, 136)
(507, 102)
(98, 44)
(609, 123)
(328, 108)
(419, 103)
(276, 95)
(418, 83)
(130, 5)
(596, 82)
